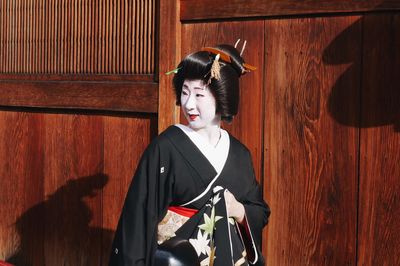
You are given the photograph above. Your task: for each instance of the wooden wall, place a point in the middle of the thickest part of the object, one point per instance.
(321, 118)
(311, 171)
(78, 106)
(63, 182)
(79, 103)
(379, 188)
(71, 36)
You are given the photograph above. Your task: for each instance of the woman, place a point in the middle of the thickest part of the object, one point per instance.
(197, 171)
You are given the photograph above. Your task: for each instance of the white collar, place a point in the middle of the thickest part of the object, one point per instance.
(217, 155)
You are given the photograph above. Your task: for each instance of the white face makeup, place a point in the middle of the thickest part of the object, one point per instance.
(198, 105)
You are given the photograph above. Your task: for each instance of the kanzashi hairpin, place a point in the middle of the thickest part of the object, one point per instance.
(243, 47)
(215, 71)
(174, 71)
(216, 68)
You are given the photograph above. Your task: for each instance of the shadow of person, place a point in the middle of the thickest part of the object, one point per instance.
(57, 231)
(367, 94)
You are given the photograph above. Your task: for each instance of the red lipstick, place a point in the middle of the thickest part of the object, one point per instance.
(192, 117)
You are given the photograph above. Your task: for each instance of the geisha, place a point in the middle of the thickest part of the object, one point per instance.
(196, 182)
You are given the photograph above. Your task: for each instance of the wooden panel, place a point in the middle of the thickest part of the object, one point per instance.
(119, 96)
(247, 125)
(220, 9)
(126, 140)
(310, 178)
(70, 36)
(64, 178)
(69, 40)
(73, 177)
(169, 50)
(21, 187)
(379, 235)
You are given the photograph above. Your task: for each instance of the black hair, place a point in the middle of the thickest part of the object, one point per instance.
(225, 90)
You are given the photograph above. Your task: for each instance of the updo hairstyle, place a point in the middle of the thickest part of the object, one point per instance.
(225, 90)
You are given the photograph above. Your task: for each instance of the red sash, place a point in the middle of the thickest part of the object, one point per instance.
(187, 212)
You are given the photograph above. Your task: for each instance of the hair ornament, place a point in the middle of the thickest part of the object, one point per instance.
(243, 47)
(225, 57)
(215, 69)
(174, 71)
(237, 42)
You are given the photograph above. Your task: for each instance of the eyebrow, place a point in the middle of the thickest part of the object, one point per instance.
(196, 88)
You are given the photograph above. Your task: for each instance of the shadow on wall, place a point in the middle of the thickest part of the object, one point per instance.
(377, 63)
(57, 231)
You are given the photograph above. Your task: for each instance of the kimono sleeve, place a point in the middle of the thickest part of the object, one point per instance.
(147, 199)
(256, 217)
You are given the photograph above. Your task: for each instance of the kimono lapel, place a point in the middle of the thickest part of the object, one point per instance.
(210, 231)
(191, 154)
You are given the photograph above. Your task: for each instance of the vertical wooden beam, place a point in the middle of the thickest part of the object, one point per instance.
(379, 200)
(169, 50)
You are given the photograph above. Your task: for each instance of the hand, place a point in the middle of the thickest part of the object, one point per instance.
(234, 208)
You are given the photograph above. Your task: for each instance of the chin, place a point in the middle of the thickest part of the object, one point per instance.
(195, 125)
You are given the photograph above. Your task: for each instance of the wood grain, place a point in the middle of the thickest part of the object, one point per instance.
(21, 186)
(57, 37)
(236, 9)
(69, 77)
(247, 125)
(125, 139)
(320, 117)
(73, 177)
(70, 40)
(119, 96)
(379, 213)
(169, 45)
(310, 169)
(64, 179)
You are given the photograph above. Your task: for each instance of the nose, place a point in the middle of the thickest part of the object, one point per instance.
(190, 103)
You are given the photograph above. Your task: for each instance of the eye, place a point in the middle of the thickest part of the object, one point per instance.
(184, 92)
(199, 95)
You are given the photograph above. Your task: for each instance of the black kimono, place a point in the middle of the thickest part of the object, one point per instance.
(172, 172)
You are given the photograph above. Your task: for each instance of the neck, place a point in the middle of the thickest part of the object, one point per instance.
(211, 133)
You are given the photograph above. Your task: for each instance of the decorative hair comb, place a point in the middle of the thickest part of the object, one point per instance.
(219, 54)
